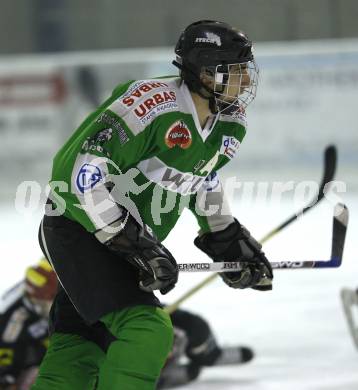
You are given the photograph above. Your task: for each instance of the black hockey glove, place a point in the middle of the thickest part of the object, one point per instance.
(157, 267)
(236, 244)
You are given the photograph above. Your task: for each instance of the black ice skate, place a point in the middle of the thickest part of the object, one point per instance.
(234, 355)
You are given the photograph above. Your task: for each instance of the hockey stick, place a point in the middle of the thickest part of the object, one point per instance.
(340, 221)
(350, 305)
(330, 160)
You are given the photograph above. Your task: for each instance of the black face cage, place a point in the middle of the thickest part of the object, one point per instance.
(235, 86)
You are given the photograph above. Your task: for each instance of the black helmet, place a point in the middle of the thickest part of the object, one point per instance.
(211, 47)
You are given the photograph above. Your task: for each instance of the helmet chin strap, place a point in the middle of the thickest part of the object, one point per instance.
(212, 103)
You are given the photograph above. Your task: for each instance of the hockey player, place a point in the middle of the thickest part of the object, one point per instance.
(194, 340)
(119, 185)
(24, 326)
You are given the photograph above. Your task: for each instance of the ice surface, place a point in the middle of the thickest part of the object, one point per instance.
(298, 331)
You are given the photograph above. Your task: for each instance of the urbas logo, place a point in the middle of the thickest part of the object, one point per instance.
(88, 176)
(229, 146)
(158, 99)
(178, 134)
(128, 101)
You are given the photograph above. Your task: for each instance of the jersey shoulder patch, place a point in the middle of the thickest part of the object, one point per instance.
(144, 100)
(229, 146)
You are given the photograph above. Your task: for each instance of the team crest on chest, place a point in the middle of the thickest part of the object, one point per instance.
(178, 134)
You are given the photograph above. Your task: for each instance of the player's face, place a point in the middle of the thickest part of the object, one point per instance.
(234, 85)
(236, 82)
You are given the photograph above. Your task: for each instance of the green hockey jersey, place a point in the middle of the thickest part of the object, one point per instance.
(145, 149)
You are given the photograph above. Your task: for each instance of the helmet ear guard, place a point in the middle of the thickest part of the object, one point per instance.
(193, 80)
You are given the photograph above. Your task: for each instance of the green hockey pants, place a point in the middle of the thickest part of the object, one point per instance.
(132, 362)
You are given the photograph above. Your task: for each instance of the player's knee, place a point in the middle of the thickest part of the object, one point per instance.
(148, 328)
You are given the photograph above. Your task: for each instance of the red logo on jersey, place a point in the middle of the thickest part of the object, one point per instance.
(178, 134)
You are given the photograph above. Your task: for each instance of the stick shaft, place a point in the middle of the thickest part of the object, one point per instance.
(233, 266)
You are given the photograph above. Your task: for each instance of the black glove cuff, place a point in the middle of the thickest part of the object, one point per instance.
(222, 245)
